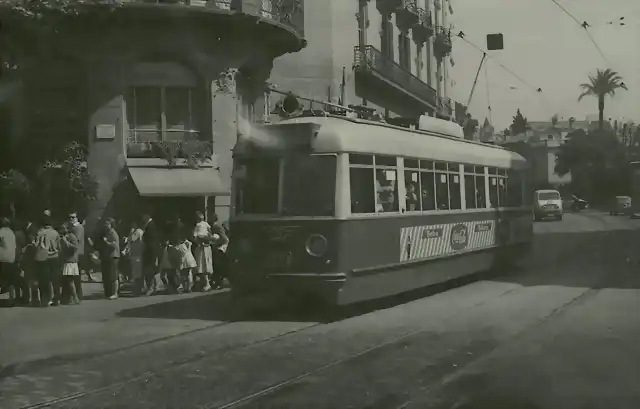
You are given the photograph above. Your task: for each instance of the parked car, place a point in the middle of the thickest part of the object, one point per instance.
(547, 203)
(575, 203)
(621, 205)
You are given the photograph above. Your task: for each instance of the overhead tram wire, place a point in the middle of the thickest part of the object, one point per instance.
(537, 90)
(585, 26)
(519, 78)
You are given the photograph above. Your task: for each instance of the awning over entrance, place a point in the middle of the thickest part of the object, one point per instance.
(178, 182)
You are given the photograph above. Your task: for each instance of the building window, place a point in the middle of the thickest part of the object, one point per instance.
(157, 114)
(404, 51)
(374, 187)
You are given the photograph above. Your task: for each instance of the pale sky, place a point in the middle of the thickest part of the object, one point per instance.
(547, 49)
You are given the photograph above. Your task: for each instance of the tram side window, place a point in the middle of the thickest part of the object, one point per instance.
(362, 190)
(502, 191)
(442, 191)
(386, 190)
(454, 191)
(493, 192)
(514, 189)
(470, 191)
(257, 181)
(428, 190)
(412, 183)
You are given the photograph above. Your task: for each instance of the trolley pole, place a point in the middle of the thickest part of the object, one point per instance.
(475, 81)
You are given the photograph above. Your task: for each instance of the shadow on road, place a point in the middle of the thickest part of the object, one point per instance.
(220, 307)
(594, 259)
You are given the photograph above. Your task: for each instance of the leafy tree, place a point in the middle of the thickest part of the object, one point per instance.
(33, 29)
(520, 124)
(604, 83)
(64, 182)
(14, 191)
(598, 163)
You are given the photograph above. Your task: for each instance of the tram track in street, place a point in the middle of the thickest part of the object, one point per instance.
(163, 368)
(112, 388)
(239, 402)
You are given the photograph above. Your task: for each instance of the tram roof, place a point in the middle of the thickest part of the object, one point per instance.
(341, 134)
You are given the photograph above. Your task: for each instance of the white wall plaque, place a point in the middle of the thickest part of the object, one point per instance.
(105, 132)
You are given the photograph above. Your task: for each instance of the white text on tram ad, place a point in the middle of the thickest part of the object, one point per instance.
(436, 240)
(432, 233)
(482, 227)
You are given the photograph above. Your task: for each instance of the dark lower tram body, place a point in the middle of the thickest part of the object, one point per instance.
(374, 257)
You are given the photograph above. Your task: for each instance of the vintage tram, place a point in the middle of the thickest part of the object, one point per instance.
(349, 210)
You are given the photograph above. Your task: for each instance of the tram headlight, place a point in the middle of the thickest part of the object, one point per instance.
(317, 245)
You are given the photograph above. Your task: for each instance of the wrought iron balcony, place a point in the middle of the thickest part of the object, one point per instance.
(180, 144)
(407, 14)
(287, 13)
(369, 60)
(442, 43)
(423, 28)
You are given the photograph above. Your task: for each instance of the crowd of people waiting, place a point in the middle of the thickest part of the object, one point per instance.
(43, 266)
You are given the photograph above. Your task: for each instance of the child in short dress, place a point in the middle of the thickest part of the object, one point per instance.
(187, 264)
(69, 256)
(203, 254)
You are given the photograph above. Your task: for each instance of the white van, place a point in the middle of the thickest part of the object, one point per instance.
(547, 203)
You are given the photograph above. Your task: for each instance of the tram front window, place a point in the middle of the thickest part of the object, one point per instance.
(309, 185)
(257, 185)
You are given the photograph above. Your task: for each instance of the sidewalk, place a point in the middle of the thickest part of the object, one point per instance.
(34, 336)
(48, 354)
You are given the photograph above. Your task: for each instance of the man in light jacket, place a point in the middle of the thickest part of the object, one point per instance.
(48, 269)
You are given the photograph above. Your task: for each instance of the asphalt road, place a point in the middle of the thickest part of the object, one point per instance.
(562, 333)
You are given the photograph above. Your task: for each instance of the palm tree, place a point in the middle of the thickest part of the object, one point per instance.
(604, 83)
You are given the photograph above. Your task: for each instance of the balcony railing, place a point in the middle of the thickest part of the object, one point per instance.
(179, 144)
(423, 28)
(407, 14)
(287, 12)
(369, 59)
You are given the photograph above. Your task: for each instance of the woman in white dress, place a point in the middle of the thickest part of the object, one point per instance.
(202, 239)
